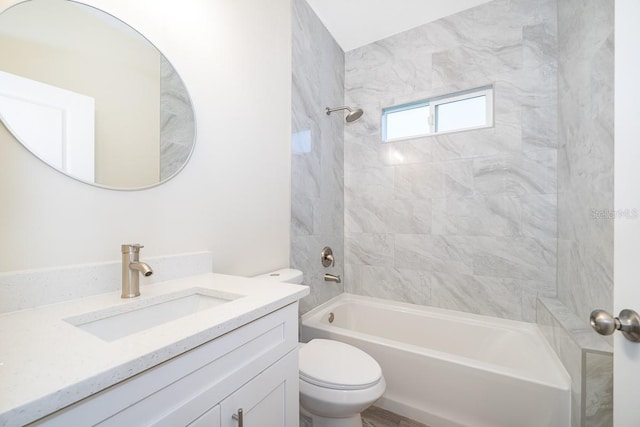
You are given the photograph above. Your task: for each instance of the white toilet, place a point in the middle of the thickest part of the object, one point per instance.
(337, 381)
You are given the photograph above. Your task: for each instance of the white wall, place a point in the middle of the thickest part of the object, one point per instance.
(233, 198)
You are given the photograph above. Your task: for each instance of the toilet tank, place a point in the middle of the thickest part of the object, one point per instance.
(287, 275)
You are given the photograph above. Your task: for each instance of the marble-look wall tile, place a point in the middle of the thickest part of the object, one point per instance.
(598, 396)
(305, 256)
(539, 215)
(403, 216)
(317, 165)
(419, 181)
(489, 175)
(447, 254)
(382, 282)
(585, 276)
(532, 172)
(476, 216)
(452, 207)
(467, 66)
(588, 359)
(569, 353)
(540, 46)
(369, 248)
(517, 257)
(585, 155)
(403, 152)
(375, 183)
(489, 296)
(499, 140)
(301, 214)
(366, 149)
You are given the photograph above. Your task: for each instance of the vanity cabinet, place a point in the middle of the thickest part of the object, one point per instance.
(264, 400)
(253, 367)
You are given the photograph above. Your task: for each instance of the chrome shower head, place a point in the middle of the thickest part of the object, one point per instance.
(354, 114)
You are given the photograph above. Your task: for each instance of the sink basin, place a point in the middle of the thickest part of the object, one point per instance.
(122, 320)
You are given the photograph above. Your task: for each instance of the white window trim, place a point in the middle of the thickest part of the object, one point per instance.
(433, 102)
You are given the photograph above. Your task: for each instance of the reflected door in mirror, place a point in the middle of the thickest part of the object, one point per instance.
(142, 130)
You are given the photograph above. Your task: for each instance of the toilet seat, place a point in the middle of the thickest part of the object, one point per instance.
(338, 366)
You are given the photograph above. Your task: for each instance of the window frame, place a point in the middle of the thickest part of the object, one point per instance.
(433, 103)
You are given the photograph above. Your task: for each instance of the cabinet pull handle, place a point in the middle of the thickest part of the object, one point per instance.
(239, 417)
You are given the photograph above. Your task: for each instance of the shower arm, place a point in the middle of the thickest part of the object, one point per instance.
(331, 110)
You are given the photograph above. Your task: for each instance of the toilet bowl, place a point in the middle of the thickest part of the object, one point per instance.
(337, 380)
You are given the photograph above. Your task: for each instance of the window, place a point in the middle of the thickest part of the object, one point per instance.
(470, 109)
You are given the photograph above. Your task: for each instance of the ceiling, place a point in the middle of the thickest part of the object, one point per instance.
(355, 23)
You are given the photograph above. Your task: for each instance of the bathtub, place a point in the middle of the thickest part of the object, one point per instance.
(451, 369)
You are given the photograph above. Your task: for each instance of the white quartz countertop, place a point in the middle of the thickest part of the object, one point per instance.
(46, 363)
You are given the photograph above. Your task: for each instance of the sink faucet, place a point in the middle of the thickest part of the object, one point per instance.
(131, 267)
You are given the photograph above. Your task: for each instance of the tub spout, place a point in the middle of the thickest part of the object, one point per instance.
(332, 278)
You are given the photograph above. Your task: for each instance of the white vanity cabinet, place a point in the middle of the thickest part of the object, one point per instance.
(253, 367)
(265, 400)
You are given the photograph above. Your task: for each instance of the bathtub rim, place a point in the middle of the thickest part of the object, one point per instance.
(313, 319)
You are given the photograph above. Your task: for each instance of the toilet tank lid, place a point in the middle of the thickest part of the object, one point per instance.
(286, 275)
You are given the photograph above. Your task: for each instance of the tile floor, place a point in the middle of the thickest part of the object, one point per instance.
(378, 417)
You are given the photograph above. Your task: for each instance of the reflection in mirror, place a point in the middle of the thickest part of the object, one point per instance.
(91, 97)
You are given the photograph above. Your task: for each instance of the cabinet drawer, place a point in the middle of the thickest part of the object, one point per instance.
(179, 390)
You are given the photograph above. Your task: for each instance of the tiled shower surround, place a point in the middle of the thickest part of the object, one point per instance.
(484, 221)
(317, 191)
(585, 201)
(585, 157)
(465, 220)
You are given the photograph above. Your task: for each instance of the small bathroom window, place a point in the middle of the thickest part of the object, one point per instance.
(470, 109)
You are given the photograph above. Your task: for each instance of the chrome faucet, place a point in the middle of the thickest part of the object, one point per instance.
(131, 267)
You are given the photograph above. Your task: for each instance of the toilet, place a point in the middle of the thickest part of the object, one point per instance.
(337, 380)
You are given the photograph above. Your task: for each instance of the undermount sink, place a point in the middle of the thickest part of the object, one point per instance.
(122, 320)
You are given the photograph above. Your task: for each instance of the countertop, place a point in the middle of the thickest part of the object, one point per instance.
(46, 363)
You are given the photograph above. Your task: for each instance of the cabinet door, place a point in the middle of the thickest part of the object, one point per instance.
(211, 418)
(268, 400)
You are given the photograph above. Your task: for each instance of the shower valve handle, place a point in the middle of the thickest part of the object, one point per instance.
(627, 322)
(326, 257)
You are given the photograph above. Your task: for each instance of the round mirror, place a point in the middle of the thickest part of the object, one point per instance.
(91, 97)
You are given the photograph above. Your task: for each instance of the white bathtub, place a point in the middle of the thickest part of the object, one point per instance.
(451, 369)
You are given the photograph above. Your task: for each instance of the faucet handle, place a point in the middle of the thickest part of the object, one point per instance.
(131, 247)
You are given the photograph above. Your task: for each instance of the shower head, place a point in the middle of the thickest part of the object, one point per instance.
(354, 114)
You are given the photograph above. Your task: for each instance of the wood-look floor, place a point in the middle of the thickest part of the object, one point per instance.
(378, 417)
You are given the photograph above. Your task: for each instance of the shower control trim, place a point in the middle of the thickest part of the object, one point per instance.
(326, 257)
